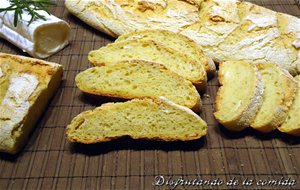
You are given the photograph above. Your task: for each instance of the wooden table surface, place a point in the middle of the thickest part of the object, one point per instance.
(50, 162)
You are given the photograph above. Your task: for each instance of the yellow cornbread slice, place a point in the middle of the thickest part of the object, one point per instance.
(176, 41)
(158, 119)
(292, 123)
(138, 79)
(240, 95)
(279, 92)
(149, 50)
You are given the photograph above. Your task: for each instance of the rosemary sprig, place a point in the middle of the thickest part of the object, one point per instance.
(29, 6)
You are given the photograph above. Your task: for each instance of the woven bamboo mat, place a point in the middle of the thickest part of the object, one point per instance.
(50, 162)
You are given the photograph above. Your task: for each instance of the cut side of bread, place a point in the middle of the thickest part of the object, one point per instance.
(158, 119)
(292, 123)
(26, 85)
(240, 95)
(138, 79)
(149, 50)
(178, 42)
(279, 92)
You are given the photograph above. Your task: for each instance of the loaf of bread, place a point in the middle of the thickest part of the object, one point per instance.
(226, 29)
(240, 96)
(279, 92)
(138, 79)
(158, 119)
(178, 42)
(292, 123)
(26, 85)
(152, 51)
(120, 17)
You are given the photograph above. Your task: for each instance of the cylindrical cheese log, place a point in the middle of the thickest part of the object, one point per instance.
(41, 38)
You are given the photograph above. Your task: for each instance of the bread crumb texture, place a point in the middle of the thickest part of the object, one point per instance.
(138, 79)
(177, 41)
(153, 51)
(152, 119)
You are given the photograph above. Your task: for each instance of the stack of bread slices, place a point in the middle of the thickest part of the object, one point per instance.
(173, 51)
(161, 71)
(262, 96)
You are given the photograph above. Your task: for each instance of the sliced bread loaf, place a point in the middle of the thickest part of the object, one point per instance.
(176, 41)
(279, 92)
(158, 119)
(149, 50)
(138, 79)
(292, 123)
(240, 95)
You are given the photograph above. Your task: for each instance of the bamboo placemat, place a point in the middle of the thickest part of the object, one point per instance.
(50, 162)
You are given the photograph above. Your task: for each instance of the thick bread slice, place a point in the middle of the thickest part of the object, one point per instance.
(152, 51)
(292, 123)
(176, 41)
(240, 95)
(138, 79)
(279, 92)
(158, 119)
(26, 85)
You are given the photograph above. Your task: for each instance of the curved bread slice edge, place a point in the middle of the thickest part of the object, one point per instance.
(175, 41)
(292, 123)
(279, 92)
(158, 119)
(240, 95)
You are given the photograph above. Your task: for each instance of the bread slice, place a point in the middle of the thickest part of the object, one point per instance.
(138, 79)
(176, 41)
(240, 95)
(149, 50)
(292, 123)
(158, 119)
(26, 85)
(279, 92)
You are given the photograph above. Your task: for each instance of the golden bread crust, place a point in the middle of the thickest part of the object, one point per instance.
(226, 30)
(26, 85)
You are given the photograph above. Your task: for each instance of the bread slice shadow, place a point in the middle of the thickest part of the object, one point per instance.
(96, 100)
(286, 138)
(126, 143)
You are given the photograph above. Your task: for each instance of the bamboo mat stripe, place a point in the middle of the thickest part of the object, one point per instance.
(50, 162)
